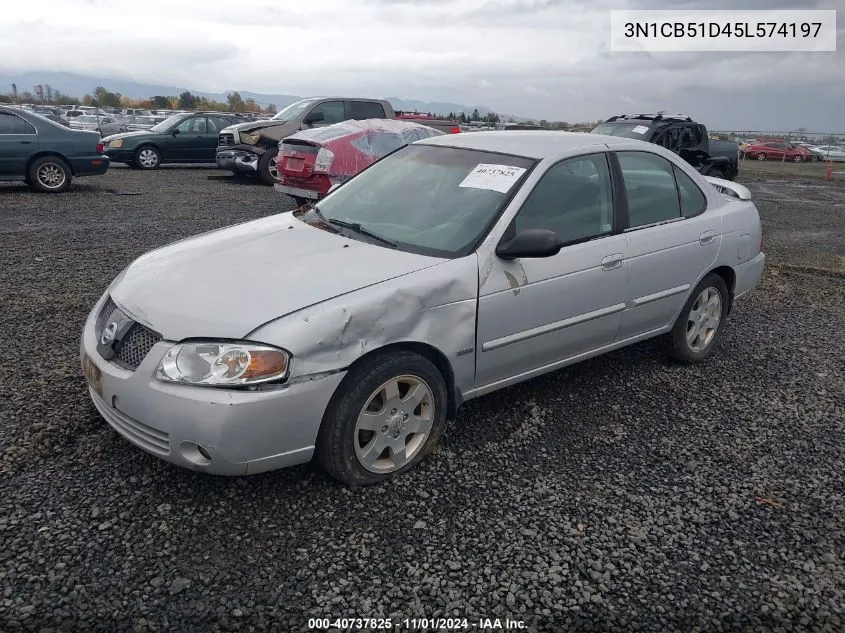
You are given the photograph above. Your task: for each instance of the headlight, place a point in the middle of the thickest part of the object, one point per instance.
(118, 142)
(324, 160)
(222, 364)
(249, 139)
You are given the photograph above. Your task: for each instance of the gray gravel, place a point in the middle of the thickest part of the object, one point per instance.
(622, 494)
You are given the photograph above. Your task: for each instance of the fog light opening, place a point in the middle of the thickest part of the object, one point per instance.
(195, 453)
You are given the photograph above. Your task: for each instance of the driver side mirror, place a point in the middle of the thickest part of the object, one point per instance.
(314, 117)
(175, 131)
(530, 243)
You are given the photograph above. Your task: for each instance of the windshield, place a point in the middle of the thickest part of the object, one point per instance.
(427, 199)
(165, 125)
(627, 130)
(293, 110)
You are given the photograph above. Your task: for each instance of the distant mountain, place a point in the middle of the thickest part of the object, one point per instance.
(78, 85)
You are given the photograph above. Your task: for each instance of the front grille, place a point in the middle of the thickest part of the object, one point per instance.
(104, 315)
(135, 346)
(227, 139)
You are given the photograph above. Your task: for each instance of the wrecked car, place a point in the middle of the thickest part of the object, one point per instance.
(351, 329)
(312, 161)
(251, 148)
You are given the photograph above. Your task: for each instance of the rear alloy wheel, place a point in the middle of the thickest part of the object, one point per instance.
(268, 170)
(385, 417)
(761, 157)
(148, 157)
(694, 336)
(797, 158)
(49, 174)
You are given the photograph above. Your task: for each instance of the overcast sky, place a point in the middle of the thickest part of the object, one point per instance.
(540, 58)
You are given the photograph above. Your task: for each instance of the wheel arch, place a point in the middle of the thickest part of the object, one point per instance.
(47, 152)
(729, 275)
(431, 353)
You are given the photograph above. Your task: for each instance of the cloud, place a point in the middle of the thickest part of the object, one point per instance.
(541, 58)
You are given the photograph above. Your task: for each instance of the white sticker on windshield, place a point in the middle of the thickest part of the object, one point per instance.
(494, 177)
(640, 129)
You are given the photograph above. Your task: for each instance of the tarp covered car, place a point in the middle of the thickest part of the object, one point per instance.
(311, 161)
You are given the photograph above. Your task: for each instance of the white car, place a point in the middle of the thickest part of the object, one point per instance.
(831, 152)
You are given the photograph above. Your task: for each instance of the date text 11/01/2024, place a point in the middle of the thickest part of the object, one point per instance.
(417, 624)
(722, 29)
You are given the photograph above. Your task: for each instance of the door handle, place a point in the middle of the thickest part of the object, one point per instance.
(707, 237)
(26, 142)
(612, 261)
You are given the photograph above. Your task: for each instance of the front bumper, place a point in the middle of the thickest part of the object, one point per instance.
(233, 159)
(120, 155)
(218, 431)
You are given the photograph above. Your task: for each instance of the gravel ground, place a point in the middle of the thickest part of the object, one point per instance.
(622, 494)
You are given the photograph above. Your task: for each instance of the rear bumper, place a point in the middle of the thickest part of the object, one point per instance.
(95, 165)
(748, 275)
(298, 192)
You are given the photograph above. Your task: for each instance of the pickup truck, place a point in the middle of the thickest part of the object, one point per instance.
(680, 134)
(251, 147)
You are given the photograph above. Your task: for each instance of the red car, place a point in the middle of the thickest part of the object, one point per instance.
(312, 161)
(778, 150)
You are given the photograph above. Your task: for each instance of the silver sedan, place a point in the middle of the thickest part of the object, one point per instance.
(351, 331)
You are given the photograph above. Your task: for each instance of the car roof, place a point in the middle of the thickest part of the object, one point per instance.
(528, 143)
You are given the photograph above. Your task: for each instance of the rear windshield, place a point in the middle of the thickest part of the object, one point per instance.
(627, 130)
(430, 199)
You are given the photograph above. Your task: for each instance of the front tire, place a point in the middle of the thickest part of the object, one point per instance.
(387, 414)
(268, 172)
(49, 174)
(797, 158)
(697, 330)
(761, 157)
(147, 157)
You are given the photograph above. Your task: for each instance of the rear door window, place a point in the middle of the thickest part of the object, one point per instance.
(333, 111)
(13, 124)
(362, 110)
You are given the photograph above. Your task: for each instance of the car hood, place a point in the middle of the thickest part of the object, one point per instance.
(276, 130)
(226, 283)
(113, 137)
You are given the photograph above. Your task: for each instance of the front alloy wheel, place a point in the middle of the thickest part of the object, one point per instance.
(386, 415)
(394, 424)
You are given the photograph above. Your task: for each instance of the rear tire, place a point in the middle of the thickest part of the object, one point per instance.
(797, 158)
(371, 397)
(267, 170)
(49, 174)
(761, 157)
(696, 332)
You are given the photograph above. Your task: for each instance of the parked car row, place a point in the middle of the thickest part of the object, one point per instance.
(793, 151)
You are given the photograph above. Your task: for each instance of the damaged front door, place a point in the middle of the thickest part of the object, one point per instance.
(535, 312)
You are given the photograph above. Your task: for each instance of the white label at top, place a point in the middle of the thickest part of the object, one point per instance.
(723, 30)
(640, 129)
(493, 177)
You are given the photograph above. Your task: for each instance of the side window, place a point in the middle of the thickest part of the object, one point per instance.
(689, 137)
(650, 186)
(333, 112)
(12, 124)
(693, 200)
(186, 126)
(573, 198)
(215, 124)
(361, 110)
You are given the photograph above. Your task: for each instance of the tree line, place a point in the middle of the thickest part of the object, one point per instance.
(104, 98)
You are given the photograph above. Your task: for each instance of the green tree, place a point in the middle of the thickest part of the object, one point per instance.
(475, 116)
(271, 109)
(187, 101)
(160, 102)
(105, 98)
(236, 103)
